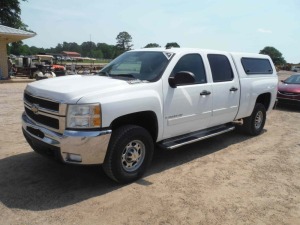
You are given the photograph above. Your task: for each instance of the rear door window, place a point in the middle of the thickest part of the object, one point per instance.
(220, 68)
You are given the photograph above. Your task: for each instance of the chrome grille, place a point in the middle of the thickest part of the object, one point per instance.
(45, 112)
(41, 119)
(47, 104)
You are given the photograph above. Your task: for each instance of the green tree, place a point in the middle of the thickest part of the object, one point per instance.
(97, 53)
(73, 47)
(68, 46)
(275, 55)
(108, 51)
(34, 50)
(10, 12)
(124, 41)
(58, 48)
(172, 44)
(87, 48)
(152, 45)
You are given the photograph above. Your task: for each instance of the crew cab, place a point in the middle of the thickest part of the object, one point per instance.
(147, 99)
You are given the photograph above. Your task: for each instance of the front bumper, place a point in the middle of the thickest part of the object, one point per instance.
(77, 147)
(288, 101)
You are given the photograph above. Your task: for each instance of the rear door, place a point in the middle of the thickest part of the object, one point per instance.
(225, 88)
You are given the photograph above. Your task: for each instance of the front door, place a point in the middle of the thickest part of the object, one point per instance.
(188, 108)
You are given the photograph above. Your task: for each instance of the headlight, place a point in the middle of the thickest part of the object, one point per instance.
(84, 116)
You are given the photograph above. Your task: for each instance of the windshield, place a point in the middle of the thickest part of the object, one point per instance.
(147, 66)
(294, 79)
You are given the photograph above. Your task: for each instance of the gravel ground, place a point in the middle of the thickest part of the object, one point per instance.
(228, 179)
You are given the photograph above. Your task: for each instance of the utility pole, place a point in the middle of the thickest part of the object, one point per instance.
(90, 46)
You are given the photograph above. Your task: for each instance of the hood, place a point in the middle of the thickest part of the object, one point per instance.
(70, 89)
(289, 87)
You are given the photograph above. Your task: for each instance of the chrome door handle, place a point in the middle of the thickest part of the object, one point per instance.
(205, 92)
(233, 89)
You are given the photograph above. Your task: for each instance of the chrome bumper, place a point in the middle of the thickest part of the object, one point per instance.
(77, 147)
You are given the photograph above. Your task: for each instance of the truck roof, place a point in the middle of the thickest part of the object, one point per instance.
(205, 51)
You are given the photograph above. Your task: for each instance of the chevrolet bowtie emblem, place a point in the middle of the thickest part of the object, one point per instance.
(35, 108)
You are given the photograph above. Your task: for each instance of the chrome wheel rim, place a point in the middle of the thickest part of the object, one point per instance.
(133, 155)
(258, 120)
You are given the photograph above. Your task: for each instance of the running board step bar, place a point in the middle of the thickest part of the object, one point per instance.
(185, 139)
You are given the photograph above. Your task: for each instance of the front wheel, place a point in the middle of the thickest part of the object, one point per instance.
(254, 124)
(129, 153)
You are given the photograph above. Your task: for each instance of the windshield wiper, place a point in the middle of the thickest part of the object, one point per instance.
(104, 73)
(124, 75)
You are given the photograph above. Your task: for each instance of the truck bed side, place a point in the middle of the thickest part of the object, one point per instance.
(255, 84)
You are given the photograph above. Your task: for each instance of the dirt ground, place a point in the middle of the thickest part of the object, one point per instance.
(228, 179)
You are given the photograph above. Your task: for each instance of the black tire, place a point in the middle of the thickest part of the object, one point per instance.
(129, 153)
(254, 124)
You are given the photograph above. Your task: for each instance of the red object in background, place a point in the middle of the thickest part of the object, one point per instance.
(289, 90)
(58, 67)
(59, 70)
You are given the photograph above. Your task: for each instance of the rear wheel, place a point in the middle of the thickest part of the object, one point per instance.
(254, 124)
(129, 153)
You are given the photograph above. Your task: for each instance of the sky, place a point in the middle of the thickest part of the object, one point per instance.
(228, 25)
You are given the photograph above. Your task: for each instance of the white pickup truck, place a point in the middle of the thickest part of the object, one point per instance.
(147, 98)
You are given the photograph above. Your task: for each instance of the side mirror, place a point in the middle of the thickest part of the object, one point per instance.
(182, 78)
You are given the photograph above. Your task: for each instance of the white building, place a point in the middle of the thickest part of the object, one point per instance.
(9, 35)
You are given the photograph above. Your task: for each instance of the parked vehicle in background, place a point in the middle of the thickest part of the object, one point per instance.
(12, 56)
(295, 68)
(59, 70)
(147, 97)
(34, 65)
(289, 90)
(43, 72)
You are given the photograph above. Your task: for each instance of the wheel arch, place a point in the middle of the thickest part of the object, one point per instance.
(264, 99)
(145, 119)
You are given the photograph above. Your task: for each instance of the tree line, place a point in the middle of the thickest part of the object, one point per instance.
(86, 49)
(106, 51)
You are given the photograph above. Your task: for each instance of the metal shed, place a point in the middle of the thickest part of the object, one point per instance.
(9, 35)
